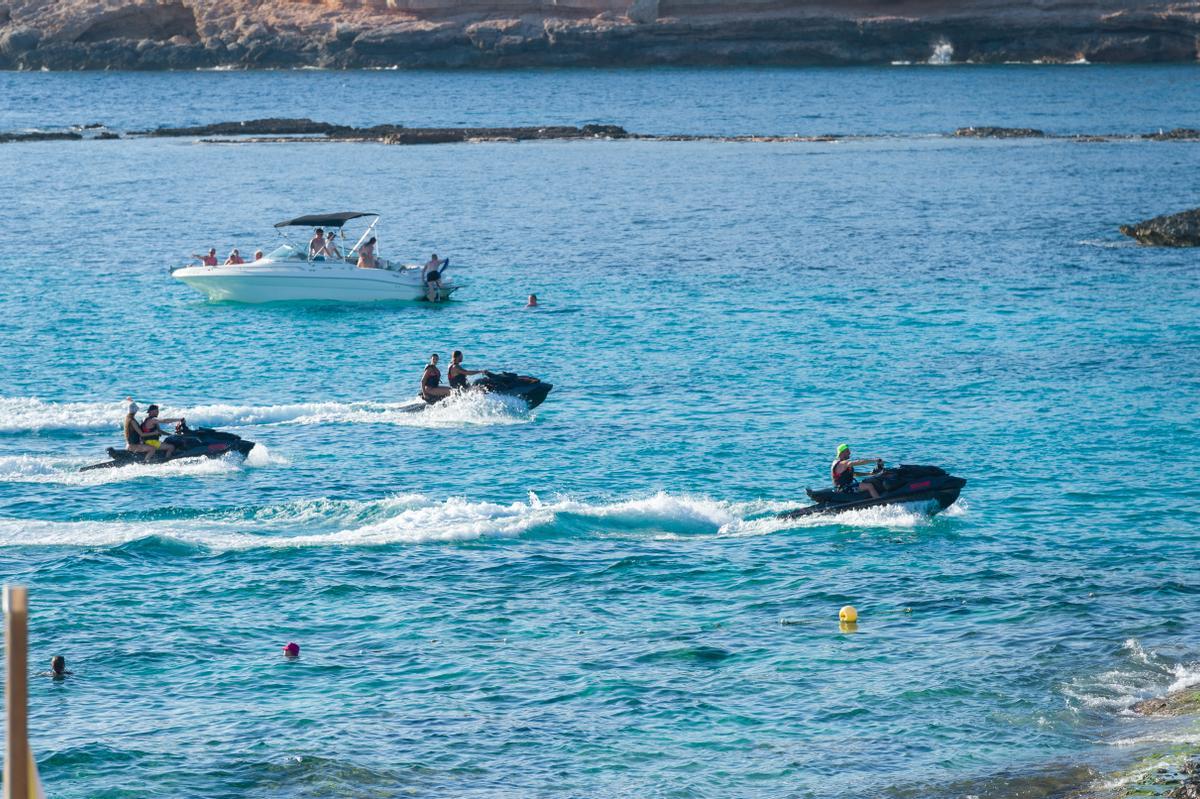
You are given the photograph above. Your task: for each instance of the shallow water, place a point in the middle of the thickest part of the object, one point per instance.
(593, 598)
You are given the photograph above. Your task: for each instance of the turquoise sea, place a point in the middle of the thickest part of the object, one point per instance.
(594, 599)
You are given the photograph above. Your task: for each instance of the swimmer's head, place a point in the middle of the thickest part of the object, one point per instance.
(58, 664)
(292, 650)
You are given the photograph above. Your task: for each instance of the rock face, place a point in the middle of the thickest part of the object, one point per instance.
(1170, 230)
(187, 34)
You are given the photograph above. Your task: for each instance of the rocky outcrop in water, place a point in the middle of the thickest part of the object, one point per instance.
(987, 132)
(1169, 230)
(1180, 703)
(188, 34)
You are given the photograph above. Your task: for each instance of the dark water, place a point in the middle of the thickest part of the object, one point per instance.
(593, 599)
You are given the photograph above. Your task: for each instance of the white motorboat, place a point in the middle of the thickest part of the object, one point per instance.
(292, 273)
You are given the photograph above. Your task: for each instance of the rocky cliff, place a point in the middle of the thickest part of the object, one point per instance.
(187, 34)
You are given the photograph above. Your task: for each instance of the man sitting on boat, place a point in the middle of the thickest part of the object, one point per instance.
(235, 258)
(316, 245)
(844, 474)
(207, 260)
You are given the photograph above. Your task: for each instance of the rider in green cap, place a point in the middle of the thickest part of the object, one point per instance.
(844, 474)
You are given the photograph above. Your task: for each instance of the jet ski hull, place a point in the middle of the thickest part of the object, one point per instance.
(900, 485)
(530, 389)
(201, 443)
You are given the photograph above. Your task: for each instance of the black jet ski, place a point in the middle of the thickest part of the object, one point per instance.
(202, 442)
(530, 389)
(897, 485)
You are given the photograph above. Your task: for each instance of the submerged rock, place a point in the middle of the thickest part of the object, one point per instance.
(1169, 230)
(990, 132)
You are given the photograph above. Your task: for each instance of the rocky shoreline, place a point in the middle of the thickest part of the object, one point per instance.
(275, 130)
(353, 34)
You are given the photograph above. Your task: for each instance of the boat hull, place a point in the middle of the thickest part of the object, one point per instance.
(336, 283)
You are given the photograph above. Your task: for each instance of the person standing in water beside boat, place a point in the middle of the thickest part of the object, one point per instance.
(431, 273)
(844, 474)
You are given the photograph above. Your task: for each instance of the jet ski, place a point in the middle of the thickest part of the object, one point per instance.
(202, 442)
(530, 389)
(897, 485)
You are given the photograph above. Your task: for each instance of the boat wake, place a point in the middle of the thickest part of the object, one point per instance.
(65, 471)
(418, 519)
(23, 415)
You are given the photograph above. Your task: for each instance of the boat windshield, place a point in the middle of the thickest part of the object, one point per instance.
(286, 252)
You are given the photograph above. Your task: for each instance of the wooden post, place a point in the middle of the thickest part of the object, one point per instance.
(16, 677)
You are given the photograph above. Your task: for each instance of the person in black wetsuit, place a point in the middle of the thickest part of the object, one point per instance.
(456, 375)
(844, 474)
(431, 378)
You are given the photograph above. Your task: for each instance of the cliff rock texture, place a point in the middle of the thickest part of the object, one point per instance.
(188, 34)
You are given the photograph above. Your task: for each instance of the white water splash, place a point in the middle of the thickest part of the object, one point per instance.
(31, 414)
(415, 519)
(943, 53)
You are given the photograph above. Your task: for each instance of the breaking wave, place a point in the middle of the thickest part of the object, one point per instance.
(1143, 674)
(415, 519)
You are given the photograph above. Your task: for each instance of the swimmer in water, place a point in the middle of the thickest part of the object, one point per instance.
(292, 650)
(532, 303)
(58, 668)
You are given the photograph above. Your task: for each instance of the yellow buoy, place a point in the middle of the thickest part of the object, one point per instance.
(848, 614)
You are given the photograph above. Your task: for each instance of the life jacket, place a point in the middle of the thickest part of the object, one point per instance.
(843, 480)
(457, 380)
(431, 378)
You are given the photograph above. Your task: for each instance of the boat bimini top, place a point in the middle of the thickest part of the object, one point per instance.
(335, 220)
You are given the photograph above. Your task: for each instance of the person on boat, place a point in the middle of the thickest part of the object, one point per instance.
(456, 375)
(207, 260)
(258, 255)
(151, 433)
(431, 378)
(844, 474)
(432, 275)
(532, 303)
(133, 432)
(366, 255)
(330, 250)
(316, 245)
(234, 258)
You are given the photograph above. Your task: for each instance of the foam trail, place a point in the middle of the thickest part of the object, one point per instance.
(65, 471)
(31, 414)
(413, 519)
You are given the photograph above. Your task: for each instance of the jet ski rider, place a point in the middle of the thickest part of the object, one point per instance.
(844, 474)
(151, 432)
(133, 433)
(456, 375)
(431, 391)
